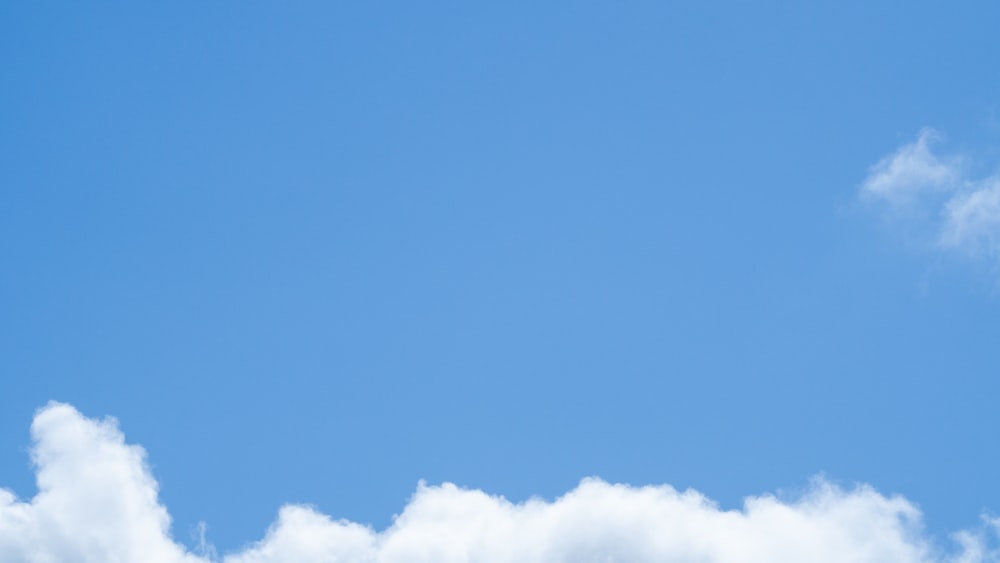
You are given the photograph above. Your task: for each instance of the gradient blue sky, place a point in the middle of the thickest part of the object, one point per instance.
(316, 253)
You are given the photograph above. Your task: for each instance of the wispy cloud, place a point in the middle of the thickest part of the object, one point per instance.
(961, 212)
(97, 502)
(972, 220)
(913, 171)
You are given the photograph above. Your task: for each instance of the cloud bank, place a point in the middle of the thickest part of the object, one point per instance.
(938, 194)
(97, 502)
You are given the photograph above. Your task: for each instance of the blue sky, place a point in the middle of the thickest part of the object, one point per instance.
(313, 254)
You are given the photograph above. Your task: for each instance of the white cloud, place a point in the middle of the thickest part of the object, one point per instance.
(961, 213)
(96, 498)
(97, 502)
(972, 220)
(912, 171)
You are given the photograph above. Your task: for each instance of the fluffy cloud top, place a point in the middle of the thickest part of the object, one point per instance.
(97, 502)
(961, 212)
(96, 498)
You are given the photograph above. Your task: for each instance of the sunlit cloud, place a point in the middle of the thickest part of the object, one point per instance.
(97, 502)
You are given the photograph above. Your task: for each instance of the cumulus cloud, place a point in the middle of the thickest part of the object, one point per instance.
(961, 212)
(97, 502)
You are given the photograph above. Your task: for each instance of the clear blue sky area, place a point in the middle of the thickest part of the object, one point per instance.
(318, 251)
